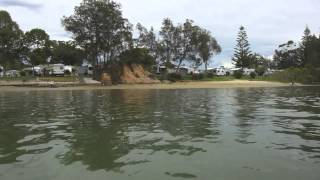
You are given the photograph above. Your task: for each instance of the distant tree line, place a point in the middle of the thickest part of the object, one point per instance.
(102, 36)
(34, 47)
(305, 53)
(299, 57)
(99, 28)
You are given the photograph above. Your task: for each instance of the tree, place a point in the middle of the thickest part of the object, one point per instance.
(37, 47)
(305, 47)
(186, 43)
(67, 53)
(137, 56)
(207, 46)
(147, 40)
(99, 28)
(287, 56)
(242, 56)
(10, 40)
(168, 40)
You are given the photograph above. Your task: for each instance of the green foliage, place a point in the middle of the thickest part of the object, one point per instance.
(37, 46)
(100, 29)
(253, 75)
(298, 75)
(198, 76)
(238, 74)
(186, 42)
(242, 56)
(287, 56)
(207, 46)
(261, 70)
(23, 73)
(137, 56)
(210, 75)
(173, 77)
(304, 54)
(67, 53)
(10, 40)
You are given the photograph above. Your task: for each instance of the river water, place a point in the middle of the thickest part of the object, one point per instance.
(232, 134)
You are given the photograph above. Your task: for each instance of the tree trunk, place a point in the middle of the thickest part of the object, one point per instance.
(178, 68)
(206, 67)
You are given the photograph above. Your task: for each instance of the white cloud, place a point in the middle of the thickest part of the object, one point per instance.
(268, 22)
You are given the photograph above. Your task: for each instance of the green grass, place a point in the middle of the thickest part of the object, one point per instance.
(59, 79)
(219, 78)
(16, 78)
(46, 79)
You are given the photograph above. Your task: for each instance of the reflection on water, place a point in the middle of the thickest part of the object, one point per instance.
(161, 134)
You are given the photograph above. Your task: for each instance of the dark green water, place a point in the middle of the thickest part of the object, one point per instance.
(223, 134)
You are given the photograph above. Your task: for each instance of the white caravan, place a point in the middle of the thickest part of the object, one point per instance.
(56, 69)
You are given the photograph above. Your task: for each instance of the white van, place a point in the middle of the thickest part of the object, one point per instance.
(56, 69)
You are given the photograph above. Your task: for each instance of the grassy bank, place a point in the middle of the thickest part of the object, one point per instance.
(44, 79)
(297, 75)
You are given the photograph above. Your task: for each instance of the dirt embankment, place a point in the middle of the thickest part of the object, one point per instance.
(136, 74)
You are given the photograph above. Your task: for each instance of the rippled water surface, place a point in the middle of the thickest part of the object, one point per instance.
(207, 134)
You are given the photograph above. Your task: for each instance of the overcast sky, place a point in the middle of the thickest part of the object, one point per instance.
(268, 22)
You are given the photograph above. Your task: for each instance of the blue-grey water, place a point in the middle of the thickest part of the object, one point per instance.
(205, 134)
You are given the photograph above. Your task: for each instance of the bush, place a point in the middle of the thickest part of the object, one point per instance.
(198, 76)
(298, 75)
(23, 74)
(210, 75)
(137, 56)
(238, 74)
(174, 77)
(260, 70)
(67, 72)
(253, 75)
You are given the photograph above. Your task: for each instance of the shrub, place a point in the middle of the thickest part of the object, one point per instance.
(210, 75)
(137, 56)
(299, 75)
(23, 74)
(67, 72)
(260, 70)
(198, 76)
(253, 75)
(238, 74)
(174, 77)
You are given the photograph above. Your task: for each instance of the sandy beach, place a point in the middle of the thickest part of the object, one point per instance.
(178, 85)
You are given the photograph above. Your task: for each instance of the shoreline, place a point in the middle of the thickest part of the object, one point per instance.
(177, 85)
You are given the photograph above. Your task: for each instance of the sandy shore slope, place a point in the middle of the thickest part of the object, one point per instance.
(179, 85)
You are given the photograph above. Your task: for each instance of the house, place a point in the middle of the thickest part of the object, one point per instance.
(1, 71)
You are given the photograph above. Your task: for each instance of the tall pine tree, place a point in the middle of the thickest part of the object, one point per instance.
(242, 56)
(305, 47)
